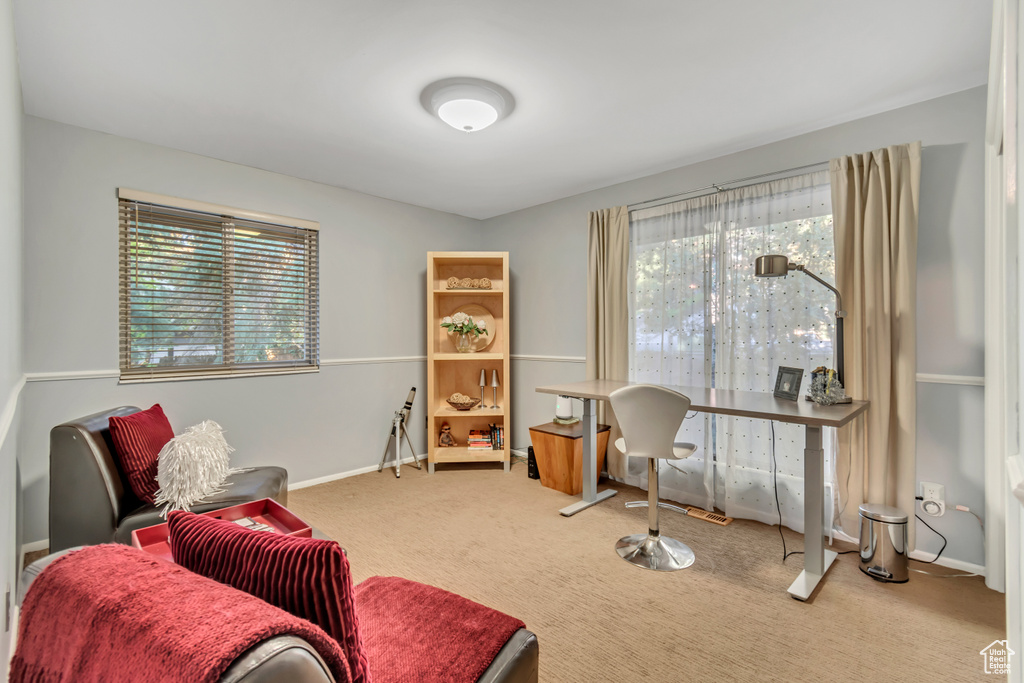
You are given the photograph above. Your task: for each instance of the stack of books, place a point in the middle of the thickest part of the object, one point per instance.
(492, 438)
(480, 440)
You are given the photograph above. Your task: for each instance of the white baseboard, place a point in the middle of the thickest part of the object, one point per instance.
(922, 556)
(351, 473)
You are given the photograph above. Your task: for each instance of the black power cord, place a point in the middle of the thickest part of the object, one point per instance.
(931, 561)
(775, 486)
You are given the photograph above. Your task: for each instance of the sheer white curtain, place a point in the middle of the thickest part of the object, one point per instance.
(671, 304)
(700, 317)
(768, 323)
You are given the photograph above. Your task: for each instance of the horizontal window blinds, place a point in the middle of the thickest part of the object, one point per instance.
(207, 294)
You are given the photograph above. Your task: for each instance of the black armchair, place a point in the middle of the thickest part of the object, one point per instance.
(91, 501)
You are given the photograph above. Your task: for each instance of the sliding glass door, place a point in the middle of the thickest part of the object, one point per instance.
(700, 318)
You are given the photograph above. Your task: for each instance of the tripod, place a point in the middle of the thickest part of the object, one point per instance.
(397, 432)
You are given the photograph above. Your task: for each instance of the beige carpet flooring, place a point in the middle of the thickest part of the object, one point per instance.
(498, 539)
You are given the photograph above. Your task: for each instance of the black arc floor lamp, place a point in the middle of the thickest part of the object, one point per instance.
(776, 265)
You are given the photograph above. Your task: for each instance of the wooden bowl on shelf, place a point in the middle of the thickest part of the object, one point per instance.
(467, 405)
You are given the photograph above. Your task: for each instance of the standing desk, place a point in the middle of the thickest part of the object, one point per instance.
(761, 405)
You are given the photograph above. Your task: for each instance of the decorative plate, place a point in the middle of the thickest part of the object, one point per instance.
(477, 312)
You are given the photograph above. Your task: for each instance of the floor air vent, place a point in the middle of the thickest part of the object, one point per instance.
(713, 517)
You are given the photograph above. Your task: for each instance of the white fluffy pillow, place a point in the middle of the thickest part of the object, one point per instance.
(192, 466)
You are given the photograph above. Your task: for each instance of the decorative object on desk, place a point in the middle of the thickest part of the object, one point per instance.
(776, 265)
(825, 389)
(192, 467)
(446, 440)
(483, 385)
(470, 328)
(787, 383)
(462, 402)
(494, 388)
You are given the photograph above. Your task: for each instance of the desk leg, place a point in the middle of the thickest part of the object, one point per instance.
(817, 559)
(590, 494)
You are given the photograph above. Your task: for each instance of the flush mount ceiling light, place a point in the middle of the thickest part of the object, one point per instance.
(467, 104)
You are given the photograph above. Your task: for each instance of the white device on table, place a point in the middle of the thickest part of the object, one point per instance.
(563, 410)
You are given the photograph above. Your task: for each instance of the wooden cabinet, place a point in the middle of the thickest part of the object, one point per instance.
(449, 371)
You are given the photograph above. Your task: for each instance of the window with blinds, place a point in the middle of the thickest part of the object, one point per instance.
(209, 291)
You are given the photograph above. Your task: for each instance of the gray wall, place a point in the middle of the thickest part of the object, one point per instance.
(373, 270)
(547, 246)
(372, 257)
(10, 306)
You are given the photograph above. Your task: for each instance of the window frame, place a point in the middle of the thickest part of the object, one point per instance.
(304, 230)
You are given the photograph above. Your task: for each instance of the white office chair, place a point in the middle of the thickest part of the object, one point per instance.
(649, 417)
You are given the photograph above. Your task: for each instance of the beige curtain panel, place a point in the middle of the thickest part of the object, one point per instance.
(875, 209)
(608, 312)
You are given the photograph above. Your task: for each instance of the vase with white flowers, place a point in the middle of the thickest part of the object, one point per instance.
(466, 330)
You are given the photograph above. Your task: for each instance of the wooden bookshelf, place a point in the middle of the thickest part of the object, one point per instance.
(449, 371)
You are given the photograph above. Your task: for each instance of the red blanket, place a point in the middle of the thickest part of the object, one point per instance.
(414, 632)
(112, 613)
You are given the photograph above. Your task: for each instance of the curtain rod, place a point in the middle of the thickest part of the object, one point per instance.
(718, 187)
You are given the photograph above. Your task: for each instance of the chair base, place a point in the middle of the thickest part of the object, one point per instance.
(659, 553)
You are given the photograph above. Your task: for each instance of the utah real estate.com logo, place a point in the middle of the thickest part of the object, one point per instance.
(997, 657)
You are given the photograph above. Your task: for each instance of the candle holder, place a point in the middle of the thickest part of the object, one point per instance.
(483, 385)
(494, 388)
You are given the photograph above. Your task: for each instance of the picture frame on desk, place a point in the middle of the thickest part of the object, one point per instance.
(787, 383)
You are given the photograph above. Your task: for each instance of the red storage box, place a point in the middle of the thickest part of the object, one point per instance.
(154, 539)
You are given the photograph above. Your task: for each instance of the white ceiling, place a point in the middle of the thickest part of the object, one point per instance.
(606, 91)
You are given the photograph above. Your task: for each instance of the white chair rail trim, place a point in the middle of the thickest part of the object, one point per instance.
(114, 374)
(966, 380)
(927, 378)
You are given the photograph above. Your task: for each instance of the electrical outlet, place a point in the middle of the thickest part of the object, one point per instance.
(933, 499)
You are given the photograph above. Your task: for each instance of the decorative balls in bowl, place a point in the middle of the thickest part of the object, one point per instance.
(462, 402)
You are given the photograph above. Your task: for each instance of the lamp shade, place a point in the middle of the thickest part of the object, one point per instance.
(483, 378)
(467, 104)
(467, 114)
(772, 265)
(494, 378)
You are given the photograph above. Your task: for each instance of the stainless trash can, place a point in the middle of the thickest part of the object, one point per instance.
(883, 543)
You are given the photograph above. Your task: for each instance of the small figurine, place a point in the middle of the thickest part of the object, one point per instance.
(446, 439)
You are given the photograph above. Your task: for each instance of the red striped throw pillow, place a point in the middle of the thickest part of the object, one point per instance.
(307, 577)
(138, 439)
